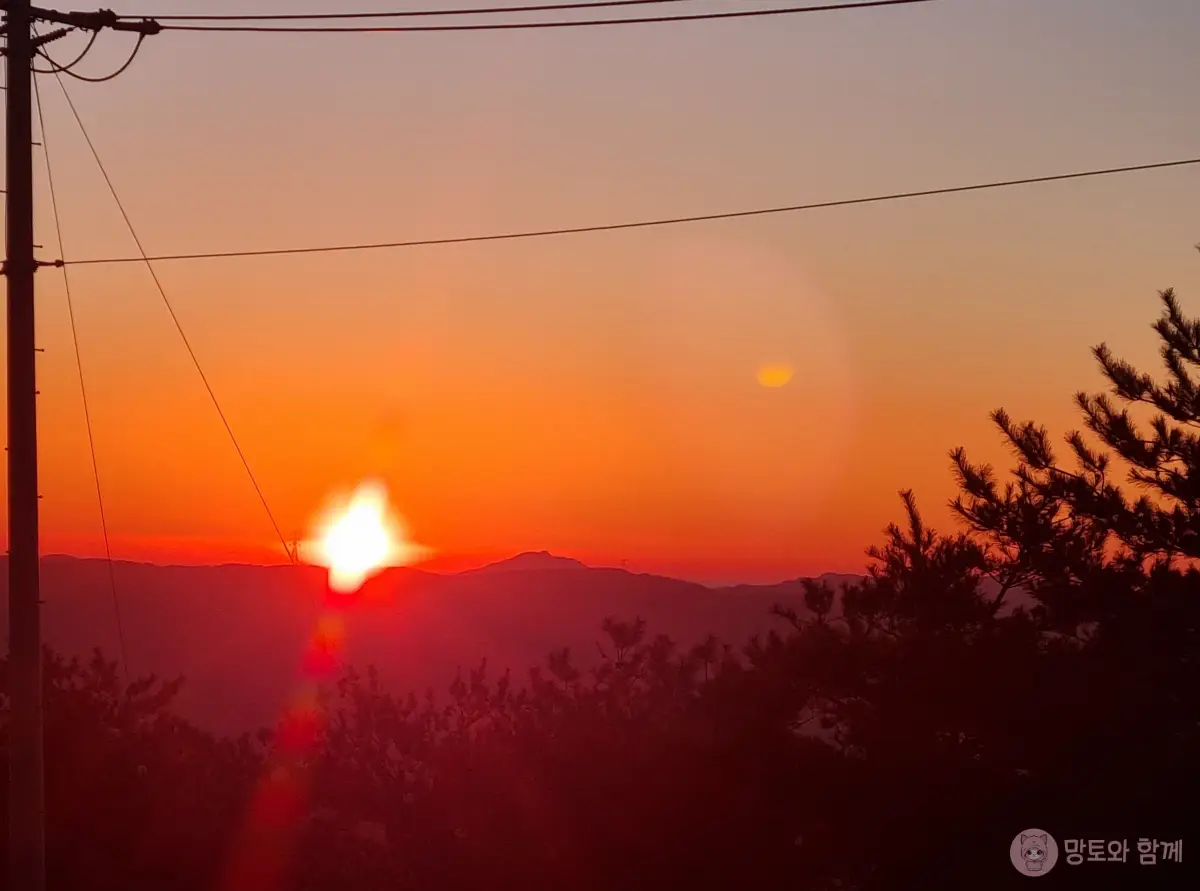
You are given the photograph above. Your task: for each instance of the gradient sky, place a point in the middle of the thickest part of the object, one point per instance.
(596, 395)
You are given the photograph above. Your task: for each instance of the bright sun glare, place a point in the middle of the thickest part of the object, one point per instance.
(358, 536)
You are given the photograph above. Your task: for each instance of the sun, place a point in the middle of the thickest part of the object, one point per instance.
(358, 536)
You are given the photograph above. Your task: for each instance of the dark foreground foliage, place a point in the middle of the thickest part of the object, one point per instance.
(1038, 669)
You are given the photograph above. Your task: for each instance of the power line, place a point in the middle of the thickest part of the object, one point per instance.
(174, 317)
(557, 23)
(408, 13)
(646, 224)
(69, 69)
(87, 414)
(69, 65)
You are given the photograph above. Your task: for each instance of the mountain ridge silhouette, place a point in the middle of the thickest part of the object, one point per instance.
(245, 627)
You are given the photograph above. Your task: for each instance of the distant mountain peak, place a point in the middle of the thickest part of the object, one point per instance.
(532, 561)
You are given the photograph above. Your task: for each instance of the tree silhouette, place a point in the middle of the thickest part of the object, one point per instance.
(1038, 668)
(135, 796)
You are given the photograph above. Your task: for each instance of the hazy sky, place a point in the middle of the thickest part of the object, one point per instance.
(596, 395)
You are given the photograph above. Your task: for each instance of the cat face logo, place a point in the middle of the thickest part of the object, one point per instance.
(1033, 852)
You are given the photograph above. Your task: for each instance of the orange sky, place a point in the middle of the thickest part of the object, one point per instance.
(596, 395)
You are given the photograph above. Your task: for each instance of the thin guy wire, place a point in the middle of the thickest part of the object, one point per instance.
(87, 414)
(644, 224)
(521, 26)
(175, 318)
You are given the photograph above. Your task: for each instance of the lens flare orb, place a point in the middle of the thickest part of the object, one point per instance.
(773, 376)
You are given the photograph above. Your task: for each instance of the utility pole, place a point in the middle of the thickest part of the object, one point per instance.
(26, 805)
(26, 789)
